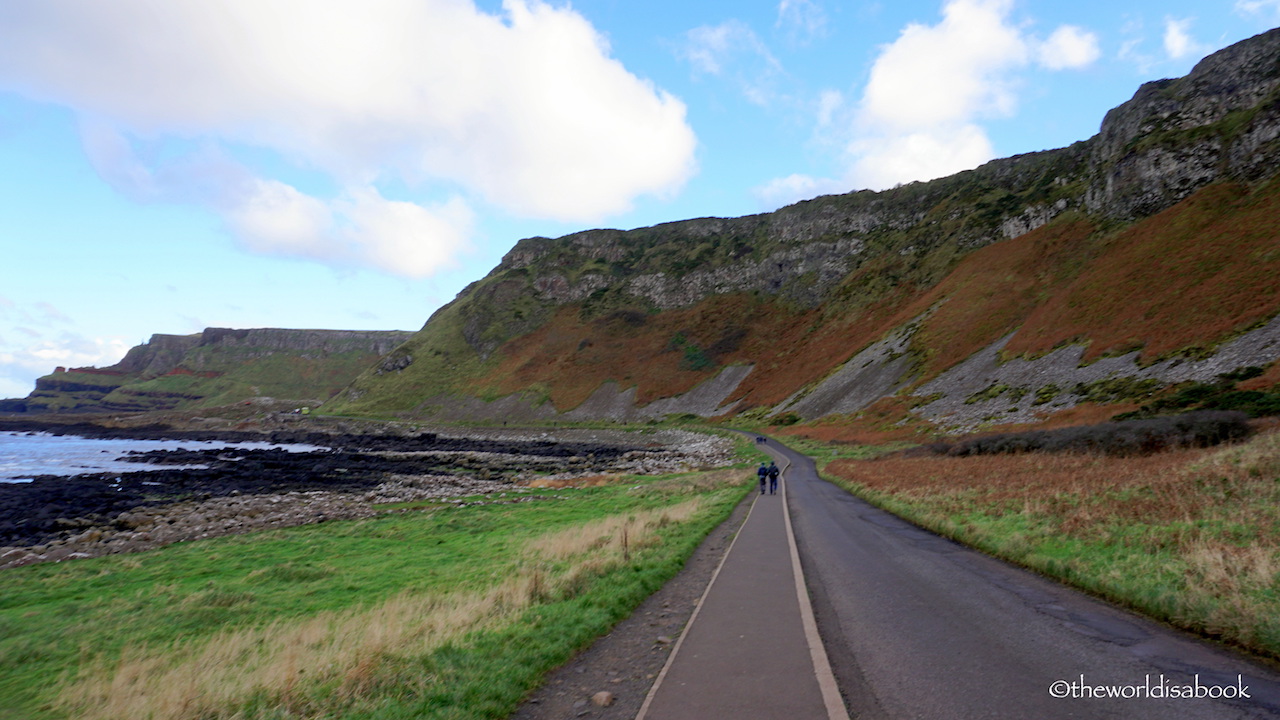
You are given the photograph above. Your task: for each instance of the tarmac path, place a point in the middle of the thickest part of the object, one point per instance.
(751, 648)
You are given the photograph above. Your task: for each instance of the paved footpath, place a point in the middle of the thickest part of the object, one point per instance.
(751, 649)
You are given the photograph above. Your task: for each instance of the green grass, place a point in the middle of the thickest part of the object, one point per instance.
(442, 362)
(59, 620)
(248, 373)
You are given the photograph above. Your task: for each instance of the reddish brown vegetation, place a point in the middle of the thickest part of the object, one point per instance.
(1267, 380)
(1191, 275)
(570, 358)
(993, 290)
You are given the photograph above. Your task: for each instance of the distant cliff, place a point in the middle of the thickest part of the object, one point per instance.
(216, 367)
(1151, 245)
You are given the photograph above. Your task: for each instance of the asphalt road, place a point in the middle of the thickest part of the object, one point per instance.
(917, 626)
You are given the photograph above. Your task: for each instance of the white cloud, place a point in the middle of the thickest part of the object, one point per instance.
(708, 47)
(395, 231)
(526, 109)
(946, 73)
(920, 111)
(794, 188)
(362, 227)
(1178, 42)
(1068, 47)
(275, 218)
(830, 103)
(1261, 8)
(801, 19)
(36, 341)
(734, 50)
(916, 119)
(21, 365)
(270, 217)
(935, 152)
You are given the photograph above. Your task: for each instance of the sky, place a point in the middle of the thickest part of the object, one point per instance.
(172, 165)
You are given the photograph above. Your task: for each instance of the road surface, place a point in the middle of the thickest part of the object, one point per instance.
(917, 626)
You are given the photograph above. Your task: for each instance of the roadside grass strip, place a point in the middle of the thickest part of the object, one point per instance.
(1190, 536)
(442, 613)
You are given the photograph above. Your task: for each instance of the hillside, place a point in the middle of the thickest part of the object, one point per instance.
(1104, 272)
(216, 367)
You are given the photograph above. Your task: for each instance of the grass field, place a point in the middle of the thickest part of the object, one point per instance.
(430, 613)
(1189, 536)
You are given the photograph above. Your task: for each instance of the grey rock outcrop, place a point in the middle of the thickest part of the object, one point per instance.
(1175, 136)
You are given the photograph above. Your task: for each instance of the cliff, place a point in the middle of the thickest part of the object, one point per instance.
(1145, 252)
(216, 367)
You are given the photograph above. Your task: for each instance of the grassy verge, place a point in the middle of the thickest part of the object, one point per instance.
(434, 613)
(1189, 536)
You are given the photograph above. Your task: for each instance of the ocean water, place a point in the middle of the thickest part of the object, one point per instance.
(26, 455)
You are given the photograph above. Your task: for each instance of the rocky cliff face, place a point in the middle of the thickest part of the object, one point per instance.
(780, 303)
(1221, 121)
(157, 356)
(217, 366)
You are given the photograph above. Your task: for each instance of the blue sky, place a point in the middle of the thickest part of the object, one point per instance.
(167, 166)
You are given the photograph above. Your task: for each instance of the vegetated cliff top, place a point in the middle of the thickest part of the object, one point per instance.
(663, 308)
(213, 367)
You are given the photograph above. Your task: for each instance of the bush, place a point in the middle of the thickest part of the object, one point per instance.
(1220, 395)
(1203, 428)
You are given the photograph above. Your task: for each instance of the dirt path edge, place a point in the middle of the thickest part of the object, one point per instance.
(627, 661)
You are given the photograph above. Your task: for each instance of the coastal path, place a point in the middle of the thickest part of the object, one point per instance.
(751, 648)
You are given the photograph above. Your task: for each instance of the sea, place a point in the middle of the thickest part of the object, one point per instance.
(24, 455)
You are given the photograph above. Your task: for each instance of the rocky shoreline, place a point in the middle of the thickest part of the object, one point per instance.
(354, 476)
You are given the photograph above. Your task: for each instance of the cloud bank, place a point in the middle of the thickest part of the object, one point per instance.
(526, 111)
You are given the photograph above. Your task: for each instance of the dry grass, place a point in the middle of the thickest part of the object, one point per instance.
(288, 660)
(1192, 536)
(613, 537)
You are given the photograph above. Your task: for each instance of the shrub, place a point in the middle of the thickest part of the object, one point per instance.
(1202, 428)
(1046, 393)
(1220, 395)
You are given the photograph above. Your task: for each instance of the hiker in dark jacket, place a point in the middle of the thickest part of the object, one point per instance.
(773, 479)
(763, 472)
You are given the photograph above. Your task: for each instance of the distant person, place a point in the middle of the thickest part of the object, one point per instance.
(773, 479)
(763, 472)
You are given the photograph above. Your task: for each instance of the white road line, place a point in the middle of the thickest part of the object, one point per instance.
(821, 665)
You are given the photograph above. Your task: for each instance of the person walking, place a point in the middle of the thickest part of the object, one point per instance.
(773, 478)
(763, 472)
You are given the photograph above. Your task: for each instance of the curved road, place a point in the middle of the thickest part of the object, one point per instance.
(917, 626)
